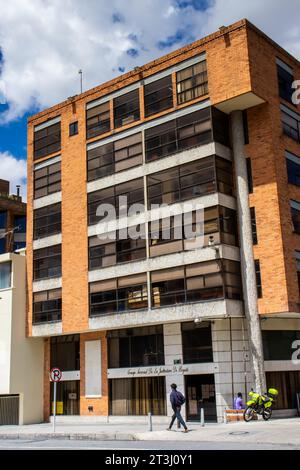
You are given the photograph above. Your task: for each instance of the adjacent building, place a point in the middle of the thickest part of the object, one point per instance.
(212, 123)
(21, 358)
(12, 219)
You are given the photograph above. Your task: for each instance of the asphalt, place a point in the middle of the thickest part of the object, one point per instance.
(276, 432)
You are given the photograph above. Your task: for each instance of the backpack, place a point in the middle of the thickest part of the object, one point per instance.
(180, 399)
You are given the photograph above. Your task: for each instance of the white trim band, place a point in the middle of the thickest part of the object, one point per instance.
(50, 161)
(39, 127)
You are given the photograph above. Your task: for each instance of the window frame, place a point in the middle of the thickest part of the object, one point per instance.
(102, 125)
(130, 101)
(49, 174)
(49, 227)
(46, 255)
(52, 315)
(193, 78)
(46, 149)
(154, 91)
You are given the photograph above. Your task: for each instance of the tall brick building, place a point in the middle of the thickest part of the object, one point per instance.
(211, 123)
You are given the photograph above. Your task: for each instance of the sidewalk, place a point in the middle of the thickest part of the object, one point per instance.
(276, 431)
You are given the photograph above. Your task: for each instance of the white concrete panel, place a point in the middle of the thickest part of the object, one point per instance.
(47, 241)
(47, 200)
(165, 315)
(48, 329)
(47, 284)
(93, 385)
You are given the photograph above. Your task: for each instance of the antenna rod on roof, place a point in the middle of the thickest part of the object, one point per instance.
(80, 73)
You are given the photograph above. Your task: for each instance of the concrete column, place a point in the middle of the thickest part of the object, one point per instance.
(173, 351)
(247, 261)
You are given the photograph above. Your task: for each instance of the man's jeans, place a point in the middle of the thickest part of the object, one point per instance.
(177, 415)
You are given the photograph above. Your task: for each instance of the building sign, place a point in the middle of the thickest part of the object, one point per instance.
(151, 371)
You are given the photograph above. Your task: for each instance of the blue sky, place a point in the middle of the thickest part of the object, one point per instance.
(43, 44)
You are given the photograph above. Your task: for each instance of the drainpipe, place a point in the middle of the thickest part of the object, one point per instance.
(246, 250)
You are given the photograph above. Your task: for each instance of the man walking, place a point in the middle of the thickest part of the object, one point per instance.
(177, 400)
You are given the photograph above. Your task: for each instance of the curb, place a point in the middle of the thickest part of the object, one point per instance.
(71, 436)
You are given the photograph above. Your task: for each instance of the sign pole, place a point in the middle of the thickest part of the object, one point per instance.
(54, 406)
(55, 376)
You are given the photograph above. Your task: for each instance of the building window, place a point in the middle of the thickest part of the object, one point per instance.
(258, 278)
(115, 156)
(126, 108)
(295, 211)
(196, 282)
(136, 347)
(5, 275)
(65, 352)
(249, 175)
(47, 306)
(196, 342)
(293, 168)
(19, 232)
(169, 235)
(285, 82)
(137, 396)
(158, 96)
(278, 344)
(47, 180)
(132, 190)
(109, 252)
(47, 262)
(297, 253)
(47, 141)
(3, 230)
(192, 82)
(253, 225)
(291, 125)
(205, 176)
(73, 128)
(245, 126)
(98, 120)
(47, 221)
(185, 132)
(119, 295)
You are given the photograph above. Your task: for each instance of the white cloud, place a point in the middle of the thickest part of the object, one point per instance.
(13, 170)
(45, 42)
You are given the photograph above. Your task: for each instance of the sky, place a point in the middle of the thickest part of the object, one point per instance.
(43, 44)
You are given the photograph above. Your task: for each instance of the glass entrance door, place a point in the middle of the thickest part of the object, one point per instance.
(67, 398)
(200, 392)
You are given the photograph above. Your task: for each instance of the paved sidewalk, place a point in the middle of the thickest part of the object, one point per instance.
(276, 431)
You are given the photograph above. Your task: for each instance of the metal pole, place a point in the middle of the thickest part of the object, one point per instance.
(202, 417)
(150, 421)
(54, 406)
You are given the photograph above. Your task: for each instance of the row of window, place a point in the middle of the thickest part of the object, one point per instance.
(165, 236)
(188, 181)
(191, 83)
(197, 128)
(216, 279)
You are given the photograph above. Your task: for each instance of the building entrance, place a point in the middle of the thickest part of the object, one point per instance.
(200, 392)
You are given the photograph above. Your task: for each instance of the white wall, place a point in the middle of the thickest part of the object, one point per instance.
(5, 334)
(26, 364)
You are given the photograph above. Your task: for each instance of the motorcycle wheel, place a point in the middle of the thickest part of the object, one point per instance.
(267, 413)
(249, 414)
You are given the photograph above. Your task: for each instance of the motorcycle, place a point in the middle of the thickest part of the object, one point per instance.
(260, 405)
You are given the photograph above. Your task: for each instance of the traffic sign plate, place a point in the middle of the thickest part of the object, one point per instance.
(55, 374)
